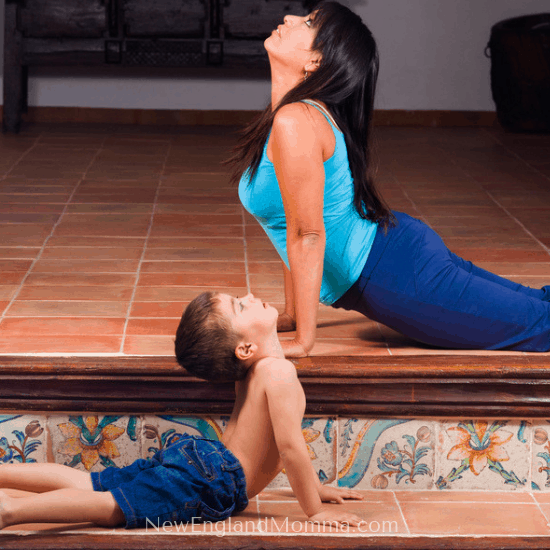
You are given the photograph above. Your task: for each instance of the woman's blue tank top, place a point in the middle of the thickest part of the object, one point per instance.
(349, 237)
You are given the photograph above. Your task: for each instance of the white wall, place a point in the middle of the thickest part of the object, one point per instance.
(431, 58)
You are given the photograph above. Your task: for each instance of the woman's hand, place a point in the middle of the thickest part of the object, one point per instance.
(285, 323)
(336, 494)
(292, 348)
(298, 154)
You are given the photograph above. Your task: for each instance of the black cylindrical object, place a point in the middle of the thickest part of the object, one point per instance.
(520, 72)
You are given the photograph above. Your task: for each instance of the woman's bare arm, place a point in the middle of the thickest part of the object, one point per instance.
(298, 160)
(287, 320)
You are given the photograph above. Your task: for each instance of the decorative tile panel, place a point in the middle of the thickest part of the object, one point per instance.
(394, 454)
(540, 461)
(94, 442)
(491, 455)
(386, 453)
(23, 438)
(162, 430)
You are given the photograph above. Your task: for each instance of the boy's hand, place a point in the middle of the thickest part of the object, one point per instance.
(285, 323)
(292, 348)
(336, 519)
(335, 494)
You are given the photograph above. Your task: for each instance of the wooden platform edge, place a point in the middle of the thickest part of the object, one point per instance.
(499, 386)
(71, 541)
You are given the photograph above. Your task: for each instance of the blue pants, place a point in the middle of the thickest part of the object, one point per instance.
(192, 479)
(414, 284)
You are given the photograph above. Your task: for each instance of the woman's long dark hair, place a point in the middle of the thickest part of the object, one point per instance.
(345, 81)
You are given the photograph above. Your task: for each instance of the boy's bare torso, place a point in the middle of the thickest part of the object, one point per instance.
(249, 434)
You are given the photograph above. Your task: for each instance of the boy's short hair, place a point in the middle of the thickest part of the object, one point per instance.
(206, 342)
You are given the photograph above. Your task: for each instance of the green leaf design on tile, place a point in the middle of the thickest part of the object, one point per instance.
(327, 432)
(131, 428)
(521, 432)
(24, 444)
(403, 463)
(204, 425)
(478, 445)
(509, 477)
(453, 475)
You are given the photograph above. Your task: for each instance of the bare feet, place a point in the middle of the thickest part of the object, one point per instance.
(5, 507)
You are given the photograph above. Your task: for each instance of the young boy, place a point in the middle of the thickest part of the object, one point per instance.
(219, 338)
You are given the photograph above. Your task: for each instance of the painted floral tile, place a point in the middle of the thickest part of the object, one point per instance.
(320, 436)
(94, 442)
(492, 455)
(391, 454)
(23, 438)
(162, 430)
(540, 461)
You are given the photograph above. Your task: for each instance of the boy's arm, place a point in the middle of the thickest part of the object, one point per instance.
(286, 402)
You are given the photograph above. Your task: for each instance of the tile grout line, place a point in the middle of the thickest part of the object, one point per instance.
(540, 509)
(513, 153)
(347, 501)
(401, 512)
(439, 433)
(546, 248)
(3, 178)
(504, 209)
(527, 423)
(22, 156)
(55, 226)
(143, 252)
(385, 341)
(259, 518)
(414, 205)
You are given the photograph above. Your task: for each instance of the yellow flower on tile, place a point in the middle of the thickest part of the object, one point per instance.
(89, 440)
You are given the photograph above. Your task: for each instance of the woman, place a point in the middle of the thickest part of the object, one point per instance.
(306, 177)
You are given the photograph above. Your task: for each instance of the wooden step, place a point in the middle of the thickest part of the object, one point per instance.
(430, 385)
(504, 386)
(117, 540)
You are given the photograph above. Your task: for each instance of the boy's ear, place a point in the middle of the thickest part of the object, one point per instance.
(245, 350)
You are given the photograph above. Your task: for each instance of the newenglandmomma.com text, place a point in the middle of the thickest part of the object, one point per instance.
(266, 525)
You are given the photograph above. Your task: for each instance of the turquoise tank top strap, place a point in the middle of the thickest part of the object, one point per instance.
(323, 110)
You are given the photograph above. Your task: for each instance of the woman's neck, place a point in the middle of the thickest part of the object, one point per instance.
(282, 81)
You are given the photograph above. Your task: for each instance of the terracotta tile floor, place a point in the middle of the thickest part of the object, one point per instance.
(387, 513)
(107, 232)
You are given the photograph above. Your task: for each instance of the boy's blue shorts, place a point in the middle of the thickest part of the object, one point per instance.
(193, 478)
